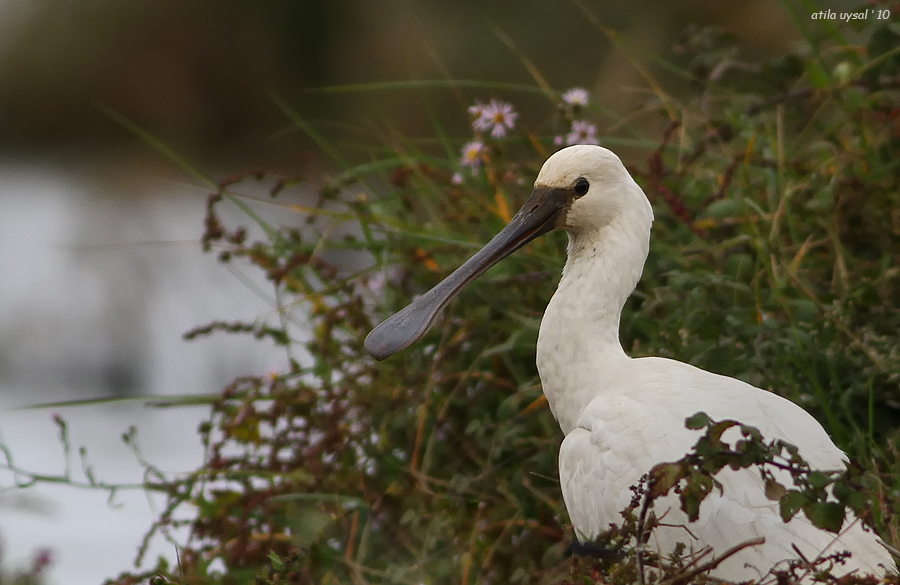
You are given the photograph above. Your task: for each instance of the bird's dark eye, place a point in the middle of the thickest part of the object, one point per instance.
(581, 186)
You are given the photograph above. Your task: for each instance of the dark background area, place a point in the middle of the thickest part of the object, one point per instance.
(199, 73)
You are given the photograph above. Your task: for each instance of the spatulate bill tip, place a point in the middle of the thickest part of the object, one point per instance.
(403, 328)
(375, 347)
(379, 356)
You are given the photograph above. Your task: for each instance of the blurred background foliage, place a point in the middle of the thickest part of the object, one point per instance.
(768, 145)
(200, 73)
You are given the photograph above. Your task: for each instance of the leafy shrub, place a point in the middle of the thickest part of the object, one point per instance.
(774, 259)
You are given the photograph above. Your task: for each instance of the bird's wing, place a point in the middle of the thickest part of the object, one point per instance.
(722, 397)
(623, 433)
(596, 485)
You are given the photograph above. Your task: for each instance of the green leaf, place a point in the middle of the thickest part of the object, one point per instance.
(697, 421)
(858, 502)
(690, 505)
(840, 490)
(817, 76)
(751, 433)
(715, 433)
(664, 476)
(825, 515)
(790, 503)
(725, 208)
(698, 487)
(277, 563)
(804, 310)
(819, 479)
(774, 490)
(307, 525)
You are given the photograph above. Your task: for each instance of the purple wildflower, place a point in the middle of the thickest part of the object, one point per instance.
(577, 96)
(498, 117)
(472, 155)
(583, 132)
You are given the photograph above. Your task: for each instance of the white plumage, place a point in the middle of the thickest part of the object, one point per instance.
(621, 416)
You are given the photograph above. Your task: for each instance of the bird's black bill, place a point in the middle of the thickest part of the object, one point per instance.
(538, 216)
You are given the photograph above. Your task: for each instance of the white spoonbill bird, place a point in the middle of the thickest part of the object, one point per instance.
(621, 416)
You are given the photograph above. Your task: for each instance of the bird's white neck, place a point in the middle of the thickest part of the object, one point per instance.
(578, 344)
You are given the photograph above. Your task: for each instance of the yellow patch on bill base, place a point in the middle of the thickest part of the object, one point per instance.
(502, 207)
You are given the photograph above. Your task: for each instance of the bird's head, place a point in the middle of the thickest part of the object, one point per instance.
(579, 188)
(594, 185)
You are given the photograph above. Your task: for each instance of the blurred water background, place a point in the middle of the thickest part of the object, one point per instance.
(100, 267)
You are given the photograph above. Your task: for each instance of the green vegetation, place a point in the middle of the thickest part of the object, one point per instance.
(775, 259)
